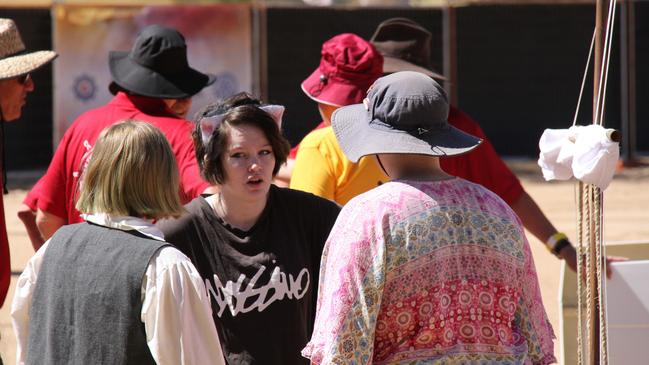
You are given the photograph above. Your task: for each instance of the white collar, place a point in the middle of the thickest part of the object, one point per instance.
(126, 223)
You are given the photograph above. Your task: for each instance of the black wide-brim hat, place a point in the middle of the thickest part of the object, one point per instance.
(157, 66)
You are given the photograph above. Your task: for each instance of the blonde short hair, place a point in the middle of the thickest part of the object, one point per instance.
(132, 171)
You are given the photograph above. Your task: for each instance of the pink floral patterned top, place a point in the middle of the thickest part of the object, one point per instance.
(429, 273)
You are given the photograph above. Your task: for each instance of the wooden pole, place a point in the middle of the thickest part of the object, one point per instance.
(450, 53)
(627, 81)
(593, 306)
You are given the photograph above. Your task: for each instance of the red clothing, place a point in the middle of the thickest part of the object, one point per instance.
(59, 184)
(482, 165)
(5, 260)
(31, 199)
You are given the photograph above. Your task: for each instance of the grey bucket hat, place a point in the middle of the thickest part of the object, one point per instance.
(405, 112)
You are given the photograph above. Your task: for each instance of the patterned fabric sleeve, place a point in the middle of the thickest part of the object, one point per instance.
(531, 317)
(350, 290)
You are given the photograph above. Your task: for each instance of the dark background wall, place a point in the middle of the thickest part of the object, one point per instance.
(295, 37)
(642, 78)
(28, 140)
(519, 70)
(519, 67)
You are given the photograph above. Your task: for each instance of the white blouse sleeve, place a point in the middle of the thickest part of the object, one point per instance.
(23, 301)
(176, 312)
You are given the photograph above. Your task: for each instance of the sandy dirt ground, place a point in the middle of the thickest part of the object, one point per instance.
(626, 219)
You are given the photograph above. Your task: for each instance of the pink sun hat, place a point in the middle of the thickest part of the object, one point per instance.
(348, 67)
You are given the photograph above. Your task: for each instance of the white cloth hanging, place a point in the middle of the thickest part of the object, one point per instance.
(585, 152)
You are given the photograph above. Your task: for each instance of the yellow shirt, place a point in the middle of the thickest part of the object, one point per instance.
(321, 168)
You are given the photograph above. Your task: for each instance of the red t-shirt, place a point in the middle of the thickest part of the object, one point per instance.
(482, 165)
(31, 199)
(58, 190)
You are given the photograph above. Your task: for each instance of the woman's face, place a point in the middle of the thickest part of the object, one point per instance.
(248, 163)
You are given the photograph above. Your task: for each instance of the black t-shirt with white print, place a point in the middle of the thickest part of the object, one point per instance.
(262, 283)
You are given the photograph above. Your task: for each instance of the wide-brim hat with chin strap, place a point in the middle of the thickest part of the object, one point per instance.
(404, 112)
(157, 66)
(14, 60)
(405, 46)
(348, 66)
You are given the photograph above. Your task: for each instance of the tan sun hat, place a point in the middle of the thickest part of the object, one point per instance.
(405, 46)
(14, 61)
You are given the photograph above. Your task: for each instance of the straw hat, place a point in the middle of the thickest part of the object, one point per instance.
(14, 61)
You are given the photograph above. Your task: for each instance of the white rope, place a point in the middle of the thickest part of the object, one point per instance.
(602, 276)
(583, 79)
(591, 254)
(606, 55)
(610, 30)
(579, 191)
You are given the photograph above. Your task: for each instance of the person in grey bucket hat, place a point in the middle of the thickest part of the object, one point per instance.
(423, 247)
(404, 113)
(406, 46)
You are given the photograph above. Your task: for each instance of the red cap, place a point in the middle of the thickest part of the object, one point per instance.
(348, 67)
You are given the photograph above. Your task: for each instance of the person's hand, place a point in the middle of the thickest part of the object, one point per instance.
(610, 259)
(569, 254)
(28, 217)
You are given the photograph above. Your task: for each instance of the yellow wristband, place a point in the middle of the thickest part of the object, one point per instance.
(551, 243)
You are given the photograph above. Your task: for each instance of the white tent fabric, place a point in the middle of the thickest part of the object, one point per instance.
(585, 152)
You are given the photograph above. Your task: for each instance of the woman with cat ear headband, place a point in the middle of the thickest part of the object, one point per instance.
(257, 246)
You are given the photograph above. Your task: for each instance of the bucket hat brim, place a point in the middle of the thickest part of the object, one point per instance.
(21, 64)
(359, 136)
(143, 81)
(333, 92)
(393, 64)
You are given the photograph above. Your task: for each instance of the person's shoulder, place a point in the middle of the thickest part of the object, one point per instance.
(298, 197)
(495, 202)
(316, 137)
(90, 119)
(459, 119)
(170, 256)
(172, 127)
(378, 195)
(67, 229)
(194, 210)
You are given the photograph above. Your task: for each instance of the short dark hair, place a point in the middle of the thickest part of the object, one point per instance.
(238, 109)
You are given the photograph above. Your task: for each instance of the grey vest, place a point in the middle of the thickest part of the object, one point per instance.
(88, 298)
